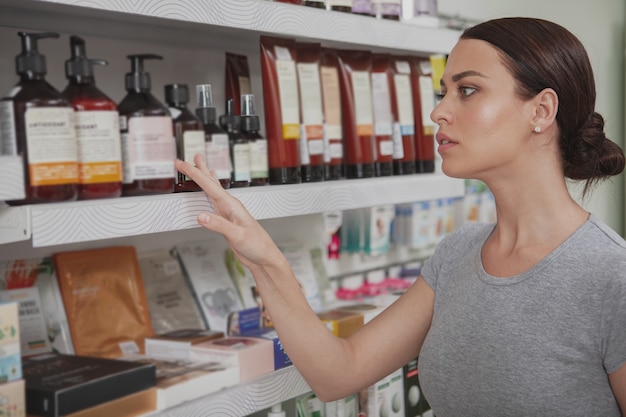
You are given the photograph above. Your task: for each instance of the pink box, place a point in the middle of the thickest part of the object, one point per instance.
(253, 355)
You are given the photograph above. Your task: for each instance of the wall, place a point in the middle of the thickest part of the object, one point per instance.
(600, 27)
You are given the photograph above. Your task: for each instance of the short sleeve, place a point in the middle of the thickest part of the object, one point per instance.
(613, 325)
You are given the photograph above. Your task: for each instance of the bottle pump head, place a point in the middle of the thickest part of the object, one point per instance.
(230, 121)
(138, 80)
(176, 94)
(79, 65)
(249, 119)
(205, 110)
(30, 61)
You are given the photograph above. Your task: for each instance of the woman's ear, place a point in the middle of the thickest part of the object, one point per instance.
(546, 106)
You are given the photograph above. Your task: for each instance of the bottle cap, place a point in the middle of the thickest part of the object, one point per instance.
(176, 94)
(138, 80)
(230, 121)
(30, 60)
(79, 65)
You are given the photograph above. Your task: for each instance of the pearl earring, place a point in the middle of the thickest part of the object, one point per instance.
(537, 129)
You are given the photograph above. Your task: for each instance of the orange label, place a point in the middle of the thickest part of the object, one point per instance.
(314, 131)
(53, 173)
(100, 172)
(364, 130)
(291, 131)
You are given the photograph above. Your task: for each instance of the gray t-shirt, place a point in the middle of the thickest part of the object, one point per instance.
(537, 344)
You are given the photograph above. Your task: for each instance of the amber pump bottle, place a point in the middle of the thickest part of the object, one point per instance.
(239, 146)
(250, 125)
(217, 145)
(188, 132)
(96, 125)
(148, 145)
(38, 125)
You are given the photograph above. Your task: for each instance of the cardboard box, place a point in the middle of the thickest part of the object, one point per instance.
(369, 311)
(254, 356)
(59, 384)
(341, 323)
(281, 359)
(414, 401)
(176, 345)
(386, 397)
(12, 399)
(133, 405)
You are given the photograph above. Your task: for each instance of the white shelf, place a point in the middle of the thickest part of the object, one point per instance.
(72, 222)
(11, 178)
(190, 20)
(244, 399)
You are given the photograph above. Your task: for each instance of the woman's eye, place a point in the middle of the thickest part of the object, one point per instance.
(466, 91)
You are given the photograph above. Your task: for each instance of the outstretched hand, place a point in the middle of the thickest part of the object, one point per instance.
(244, 234)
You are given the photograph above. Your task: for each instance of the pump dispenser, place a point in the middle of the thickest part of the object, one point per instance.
(148, 144)
(188, 131)
(276, 411)
(38, 125)
(96, 125)
(250, 125)
(217, 146)
(239, 146)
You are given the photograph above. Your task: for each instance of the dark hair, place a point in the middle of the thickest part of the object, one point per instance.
(542, 54)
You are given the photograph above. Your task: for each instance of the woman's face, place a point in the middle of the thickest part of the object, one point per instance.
(483, 124)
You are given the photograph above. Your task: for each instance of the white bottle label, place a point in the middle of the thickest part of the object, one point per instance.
(8, 139)
(99, 146)
(218, 155)
(398, 143)
(241, 162)
(258, 159)
(51, 146)
(382, 104)
(427, 99)
(288, 92)
(193, 143)
(404, 102)
(362, 95)
(148, 149)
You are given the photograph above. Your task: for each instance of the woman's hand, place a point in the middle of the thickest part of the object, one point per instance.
(243, 233)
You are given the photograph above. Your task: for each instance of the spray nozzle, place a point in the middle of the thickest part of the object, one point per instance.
(30, 60)
(205, 98)
(137, 79)
(230, 121)
(79, 65)
(249, 119)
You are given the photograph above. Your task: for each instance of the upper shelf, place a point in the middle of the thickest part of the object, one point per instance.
(189, 21)
(62, 223)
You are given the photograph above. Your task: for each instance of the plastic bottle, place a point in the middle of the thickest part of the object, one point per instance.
(148, 145)
(38, 124)
(188, 132)
(276, 411)
(250, 125)
(217, 145)
(97, 127)
(239, 147)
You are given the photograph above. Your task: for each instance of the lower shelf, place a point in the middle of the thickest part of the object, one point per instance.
(243, 399)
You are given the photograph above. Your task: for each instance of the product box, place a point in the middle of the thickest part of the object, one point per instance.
(176, 345)
(281, 359)
(59, 384)
(308, 405)
(43, 321)
(341, 323)
(179, 381)
(133, 405)
(415, 403)
(254, 356)
(369, 311)
(345, 407)
(12, 399)
(10, 352)
(385, 397)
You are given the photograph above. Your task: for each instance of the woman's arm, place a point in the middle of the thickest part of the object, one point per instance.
(618, 384)
(333, 367)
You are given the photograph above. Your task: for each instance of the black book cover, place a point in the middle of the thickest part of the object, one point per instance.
(59, 384)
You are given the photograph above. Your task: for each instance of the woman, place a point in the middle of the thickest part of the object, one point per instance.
(525, 317)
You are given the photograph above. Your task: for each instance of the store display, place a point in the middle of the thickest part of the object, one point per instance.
(38, 125)
(148, 144)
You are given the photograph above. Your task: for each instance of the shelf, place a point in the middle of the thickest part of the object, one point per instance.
(71, 222)
(244, 399)
(189, 21)
(11, 179)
